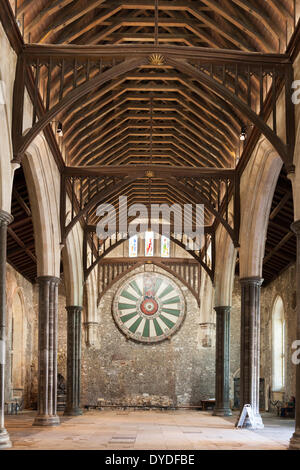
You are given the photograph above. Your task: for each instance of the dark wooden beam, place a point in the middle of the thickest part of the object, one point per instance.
(144, 259)
(21, 244)
(21, 202)
(281, 204)
(153, 171)
(10, 26)
(32, 51)
(282, 242)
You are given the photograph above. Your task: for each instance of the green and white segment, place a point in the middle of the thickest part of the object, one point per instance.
(149, 307)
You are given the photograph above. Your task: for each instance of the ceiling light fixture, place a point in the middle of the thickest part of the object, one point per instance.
(243, 134)
(59, 129)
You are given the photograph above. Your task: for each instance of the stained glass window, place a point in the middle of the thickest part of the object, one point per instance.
(133, 246)
(149, 244)
(165, 247)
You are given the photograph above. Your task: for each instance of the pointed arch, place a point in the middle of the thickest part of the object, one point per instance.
(43, 183)
(258, 185)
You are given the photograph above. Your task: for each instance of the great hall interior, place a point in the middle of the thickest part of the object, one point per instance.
(148, 341)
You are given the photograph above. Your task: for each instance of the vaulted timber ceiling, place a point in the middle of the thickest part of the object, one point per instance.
(154, 113)
(228, 24)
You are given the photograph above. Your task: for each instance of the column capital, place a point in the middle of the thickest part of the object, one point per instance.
(54, 279)
(5, 218)
(250, 281)
(71, 308)
(225, 309)
(295, 227)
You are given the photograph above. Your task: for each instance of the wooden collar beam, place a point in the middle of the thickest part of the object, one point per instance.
(151, 171)
(32, 51)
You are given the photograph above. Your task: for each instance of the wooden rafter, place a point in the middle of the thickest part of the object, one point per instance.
(241, 24)
(199, 108)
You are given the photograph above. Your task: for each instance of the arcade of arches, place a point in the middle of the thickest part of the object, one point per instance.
(164, 102)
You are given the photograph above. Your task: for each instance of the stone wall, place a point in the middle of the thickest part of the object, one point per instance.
(174, 372)
(284, 286)
(235, 336)
(22, 335)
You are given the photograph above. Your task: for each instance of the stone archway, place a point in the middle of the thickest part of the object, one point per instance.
(43, 182)
(257, 191)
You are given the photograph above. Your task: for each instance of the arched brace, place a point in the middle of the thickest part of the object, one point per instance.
(93, 202)
(285, 71)
(214, 69)
(21, 142)
(100, 255)
(136, 264)
(201, 199)
(97, 194)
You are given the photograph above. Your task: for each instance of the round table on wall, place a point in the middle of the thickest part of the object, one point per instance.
(149, 307)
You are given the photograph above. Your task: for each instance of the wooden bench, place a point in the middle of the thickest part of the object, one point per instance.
(206, 404)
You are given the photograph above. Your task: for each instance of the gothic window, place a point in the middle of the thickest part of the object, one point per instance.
(133, 246)
(278, 346)
(165, 247)
(149, 244)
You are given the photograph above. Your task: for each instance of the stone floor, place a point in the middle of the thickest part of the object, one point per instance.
(153, 430)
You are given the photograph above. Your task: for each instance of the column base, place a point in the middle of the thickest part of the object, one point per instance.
(222, 412)
(46, 421)
(5, 442)
(73, 412)
(295, 441)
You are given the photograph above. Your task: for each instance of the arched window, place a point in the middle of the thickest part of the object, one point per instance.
(133, 246)
(149, 245)
(17, 335)
(278, 346)
(165, 247)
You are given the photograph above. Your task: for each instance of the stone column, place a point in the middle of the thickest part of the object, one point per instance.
(5, 220)
(250, 346)
(73, 361)
(222, 407)
(295, 440)
(47, 380)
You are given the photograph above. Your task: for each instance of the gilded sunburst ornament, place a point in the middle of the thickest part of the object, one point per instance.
(156, 59)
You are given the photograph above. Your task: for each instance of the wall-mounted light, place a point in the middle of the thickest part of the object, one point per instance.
(243, 134)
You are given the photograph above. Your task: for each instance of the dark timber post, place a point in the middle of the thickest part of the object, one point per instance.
(47, 380)
(222, 407)
(5, 220)
(73, 361)
(250, 345)
(295, 440)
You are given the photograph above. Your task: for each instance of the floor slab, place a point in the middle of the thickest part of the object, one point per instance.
(148, 430)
